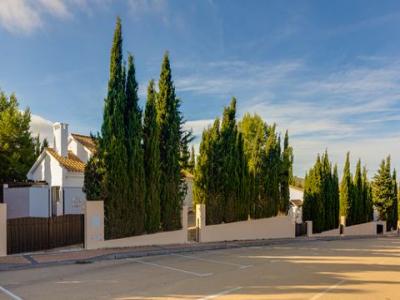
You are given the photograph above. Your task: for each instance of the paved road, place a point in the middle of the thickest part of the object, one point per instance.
(340, 269)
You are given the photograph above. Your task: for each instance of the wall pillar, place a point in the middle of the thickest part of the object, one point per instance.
(309, 228)
(184, 217)
(3, 229)
(94, 223)
(200, 220)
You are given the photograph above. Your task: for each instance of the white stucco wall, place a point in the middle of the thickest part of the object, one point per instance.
(74, 200)
(79, 150)
(48, 170)
(295, 194)
(17, 200)
(39, 202)
(27, 201)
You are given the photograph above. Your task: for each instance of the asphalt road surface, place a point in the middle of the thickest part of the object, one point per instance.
(340, 269)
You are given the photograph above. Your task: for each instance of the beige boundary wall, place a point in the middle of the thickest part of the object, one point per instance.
(364, 229)
(3, 229)
(94, 231)
(268, 228)
(354, 230)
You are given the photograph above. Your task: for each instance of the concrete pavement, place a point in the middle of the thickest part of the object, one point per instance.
(320, 269)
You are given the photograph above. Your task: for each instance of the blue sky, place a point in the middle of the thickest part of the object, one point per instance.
(329, 71)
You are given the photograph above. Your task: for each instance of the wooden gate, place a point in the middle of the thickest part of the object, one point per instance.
(34, 234)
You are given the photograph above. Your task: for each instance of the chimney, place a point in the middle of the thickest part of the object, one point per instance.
(60, 131)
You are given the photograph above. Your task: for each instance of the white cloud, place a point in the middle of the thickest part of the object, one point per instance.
(19, 16)
(42, 127)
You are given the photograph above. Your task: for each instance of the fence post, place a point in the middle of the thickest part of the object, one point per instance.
(200, 220)
(309, 228)
(3, 229)
(94, 224)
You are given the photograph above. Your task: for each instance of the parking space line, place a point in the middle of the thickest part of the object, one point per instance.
(10, 294)
(332, 287)
(221, 293)
(172, 268)
(213, 261)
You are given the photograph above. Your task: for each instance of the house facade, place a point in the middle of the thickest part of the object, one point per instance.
(62, 168)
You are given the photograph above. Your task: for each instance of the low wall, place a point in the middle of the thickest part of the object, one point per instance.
(3, 229)
(364, 229)
(268, 228)
(94, 231)
(333, 232)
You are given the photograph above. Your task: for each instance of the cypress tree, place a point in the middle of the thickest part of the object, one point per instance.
(366, 197)
(393, 210)
(133, 140)
(118, 222)
(272, 169)
(192, 160)
(356, 207)
(93, 175)
(286, 169)
(346, 187)
(169, 122)
(335, 197)
(151, 146)
(382, 189)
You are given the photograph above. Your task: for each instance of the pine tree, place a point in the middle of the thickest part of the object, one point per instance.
(118, 221)
(169, 121)
(346, 187)
(17, 146)
(133, 141)
(151, 161)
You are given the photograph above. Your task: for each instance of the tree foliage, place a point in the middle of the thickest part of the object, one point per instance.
(321, 195)
(151, 146)
(169, 120)
(18, 149)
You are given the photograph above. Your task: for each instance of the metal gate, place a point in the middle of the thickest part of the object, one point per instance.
(34, 234)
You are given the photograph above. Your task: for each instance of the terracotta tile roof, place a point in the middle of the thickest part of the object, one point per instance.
(72, 163)
(85, 140)
(297, 202)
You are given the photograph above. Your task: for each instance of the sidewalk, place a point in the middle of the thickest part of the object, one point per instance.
(80, 255)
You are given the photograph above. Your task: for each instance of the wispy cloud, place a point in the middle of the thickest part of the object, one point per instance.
(344, 110)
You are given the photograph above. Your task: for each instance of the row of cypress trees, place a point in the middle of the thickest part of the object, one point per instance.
(324, 202)
(137, 167)
(355, 195)
(321, 195)
(241, 170)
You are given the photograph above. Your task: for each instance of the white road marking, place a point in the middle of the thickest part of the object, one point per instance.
(8, 293)
(327, 290)
(213, 261)
(172, 268)
(221, 293)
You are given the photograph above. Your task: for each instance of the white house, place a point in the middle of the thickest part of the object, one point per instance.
(296, 203)
(62, 169)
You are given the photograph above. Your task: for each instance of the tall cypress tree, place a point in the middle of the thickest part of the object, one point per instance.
(151, 146)
(169, 122)
(286, 168)
(366, 197)
(230, 178)
(346, 187)
(393, 210)
(117, 222)
(133, 138)
(356, 207)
